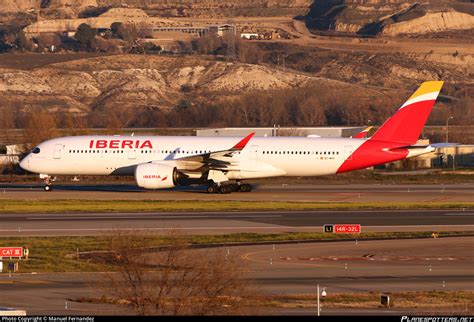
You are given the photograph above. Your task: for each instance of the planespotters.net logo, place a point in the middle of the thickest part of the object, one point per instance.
(436, 319)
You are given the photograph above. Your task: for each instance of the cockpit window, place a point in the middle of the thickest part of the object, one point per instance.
(36, 150)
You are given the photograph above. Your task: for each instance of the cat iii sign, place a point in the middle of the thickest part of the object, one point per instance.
(11, 252)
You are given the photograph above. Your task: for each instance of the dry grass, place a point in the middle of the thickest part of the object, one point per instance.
(433, 300)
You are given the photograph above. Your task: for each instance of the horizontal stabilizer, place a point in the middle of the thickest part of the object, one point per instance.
(443, 145)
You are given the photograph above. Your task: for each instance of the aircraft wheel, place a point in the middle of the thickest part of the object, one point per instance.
(47, 187)
(225, 189)
(212, 188)
(245, 187)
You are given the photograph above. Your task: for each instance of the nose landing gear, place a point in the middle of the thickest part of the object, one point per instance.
(47, 182)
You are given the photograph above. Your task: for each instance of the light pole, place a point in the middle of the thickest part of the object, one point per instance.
(447, 127)
(323, 294)
(319, 308)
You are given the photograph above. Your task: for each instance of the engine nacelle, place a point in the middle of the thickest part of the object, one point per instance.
(156, 175)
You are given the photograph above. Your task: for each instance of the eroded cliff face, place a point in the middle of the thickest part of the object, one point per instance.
(432, 22)
(12, 6)
(134, 81)
(390, 17)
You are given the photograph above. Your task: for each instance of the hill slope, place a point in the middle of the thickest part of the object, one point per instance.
(392, 17)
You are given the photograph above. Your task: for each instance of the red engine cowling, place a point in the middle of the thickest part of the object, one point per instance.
(156, 175)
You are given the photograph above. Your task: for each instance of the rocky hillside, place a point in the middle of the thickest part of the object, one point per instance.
(206, 8)
(390, 17)
(135, 81)
(364, 17)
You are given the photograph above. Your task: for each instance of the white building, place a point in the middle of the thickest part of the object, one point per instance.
(282, 131)
(9, 154)
(249, 35)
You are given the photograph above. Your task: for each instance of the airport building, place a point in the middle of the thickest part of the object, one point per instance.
(449, 157)
(330, 132)
(9, 154)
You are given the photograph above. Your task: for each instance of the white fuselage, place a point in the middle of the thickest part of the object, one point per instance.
(261, 157)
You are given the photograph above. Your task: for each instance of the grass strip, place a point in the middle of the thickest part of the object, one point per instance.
(71, 206)
(57, 254)
(455, 301)
(445, 302)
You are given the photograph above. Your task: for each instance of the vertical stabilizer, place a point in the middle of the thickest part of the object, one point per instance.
(406, 125)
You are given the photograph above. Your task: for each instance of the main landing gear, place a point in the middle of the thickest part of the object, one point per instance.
(228, 188)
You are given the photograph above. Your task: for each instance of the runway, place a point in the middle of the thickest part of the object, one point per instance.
(232, 222)
(262, 192)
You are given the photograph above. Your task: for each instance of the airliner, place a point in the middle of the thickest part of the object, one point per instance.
(224, 164)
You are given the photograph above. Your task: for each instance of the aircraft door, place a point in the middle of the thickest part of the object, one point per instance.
(254, 152)
(348, 152)
(132, 154)
(57, 151)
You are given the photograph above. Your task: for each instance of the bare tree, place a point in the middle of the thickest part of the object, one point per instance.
(311, 113)
(130, 33)
(40, 125)
(48, 40)
(7, 121)
(249, 52)
(174, 280)
(207, 44)
(145, 30)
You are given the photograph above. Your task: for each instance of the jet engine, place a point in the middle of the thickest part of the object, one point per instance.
(156, 175)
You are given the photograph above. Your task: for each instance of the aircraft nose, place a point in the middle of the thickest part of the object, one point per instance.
(25, 163)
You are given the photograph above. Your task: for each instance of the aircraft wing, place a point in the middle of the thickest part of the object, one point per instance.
(218, 160)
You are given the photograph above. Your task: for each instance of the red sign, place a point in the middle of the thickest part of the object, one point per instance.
(11, 251)
(347, 229)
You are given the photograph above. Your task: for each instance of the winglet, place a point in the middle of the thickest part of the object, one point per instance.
(243, 142)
